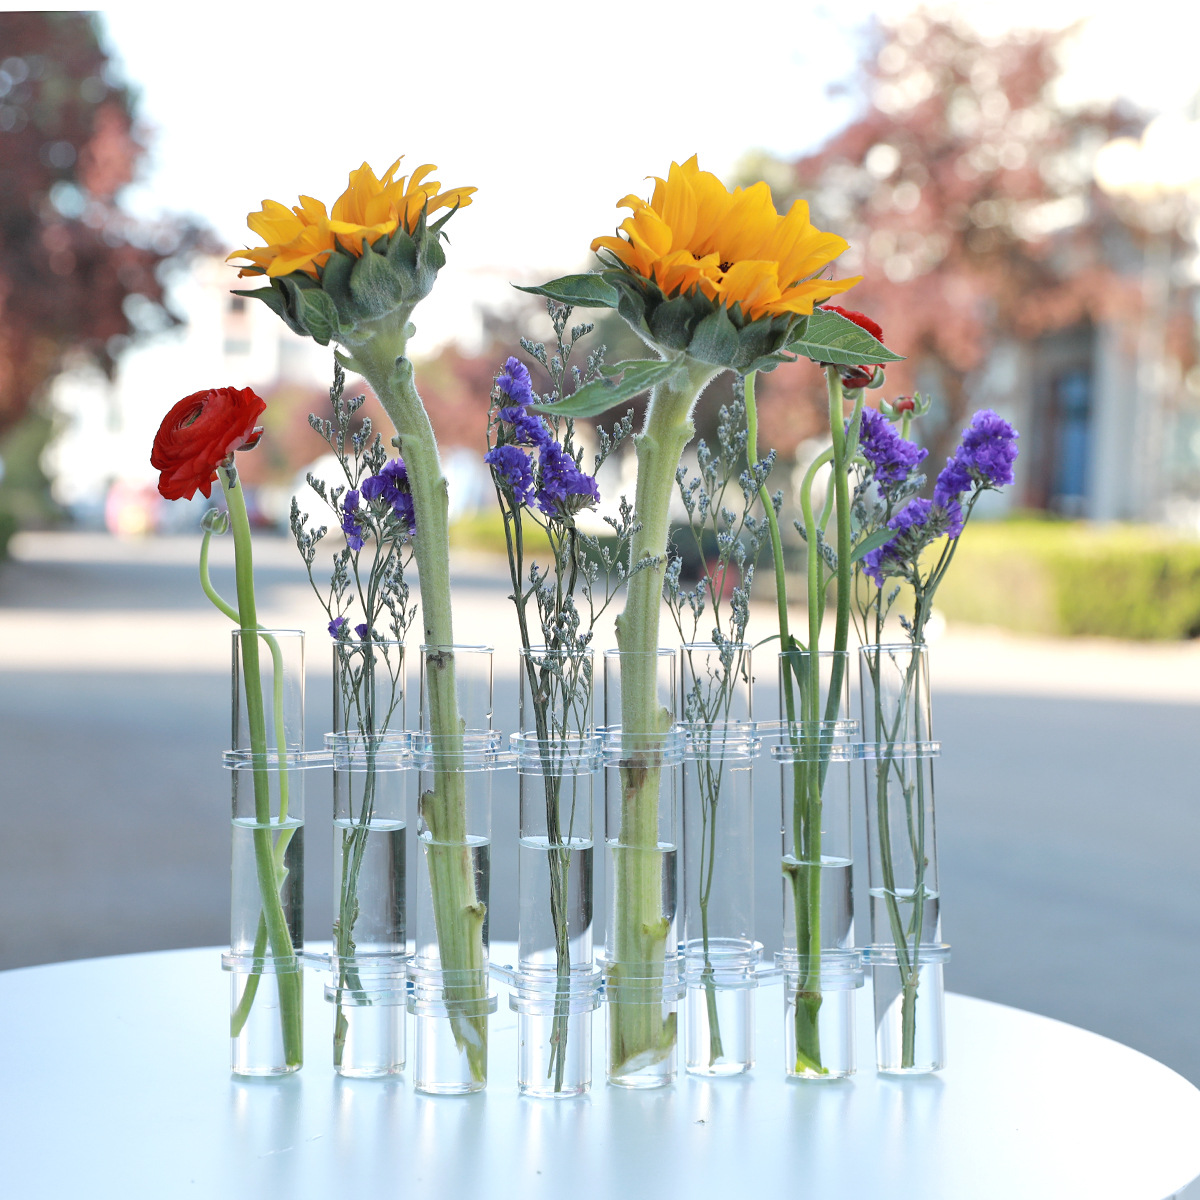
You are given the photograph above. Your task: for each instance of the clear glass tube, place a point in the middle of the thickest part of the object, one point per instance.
(267, 898)
(367, 964)
(814, 756)
(368, 686)
(719, 949)
(557, 982)
(907, 952)
(449, 970)
(643, 751)
(371, 760)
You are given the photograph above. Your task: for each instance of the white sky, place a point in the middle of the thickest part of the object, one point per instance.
(553, 110)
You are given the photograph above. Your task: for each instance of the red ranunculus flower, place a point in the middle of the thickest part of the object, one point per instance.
(860, 319)
(857, 377)
(198, 434)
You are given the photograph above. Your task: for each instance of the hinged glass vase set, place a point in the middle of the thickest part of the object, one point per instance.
(691, 869)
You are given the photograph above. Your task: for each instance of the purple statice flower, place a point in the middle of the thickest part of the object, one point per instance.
(362, 631)
(984, 458)
(953, 517)
(351, 522)
(915, 526)
(563, 484)
(892, 457)
(336, 626)
(513, 466)
(392, 487)
(989, 448)
(515, 383)
(528, 428)
(953, 479)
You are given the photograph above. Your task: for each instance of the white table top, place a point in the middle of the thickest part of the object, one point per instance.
(114, 1083)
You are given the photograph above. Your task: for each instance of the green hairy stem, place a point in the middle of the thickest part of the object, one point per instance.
(459, 911)
(640, 1035)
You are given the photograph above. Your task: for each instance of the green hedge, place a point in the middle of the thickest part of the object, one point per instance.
(8, 527)
(1069, 578)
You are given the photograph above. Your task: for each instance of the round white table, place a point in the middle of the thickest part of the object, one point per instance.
(115, 1084)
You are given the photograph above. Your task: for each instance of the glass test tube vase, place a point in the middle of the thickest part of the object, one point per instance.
(643, 754)
(906, 954)
(266, 766)
(821, 968)
(448, 974)
(720, 954)
(556, 985)
(371, 761)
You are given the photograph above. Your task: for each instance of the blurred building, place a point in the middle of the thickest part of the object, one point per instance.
(100, 462)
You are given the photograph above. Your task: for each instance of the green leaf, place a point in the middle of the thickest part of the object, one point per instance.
(289, 291)
(831, 338)
(335, 279)
(375, 285)
(319, 315)
(877, 539)
(671, 322)
(269, 296)
(715, 340)
(602, 394)
(402, 250)
(579, 291)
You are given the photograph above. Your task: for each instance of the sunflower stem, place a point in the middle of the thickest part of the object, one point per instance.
(640, 1035)
(459, 911)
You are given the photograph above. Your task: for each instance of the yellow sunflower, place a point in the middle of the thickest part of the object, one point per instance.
(372, 208)
(731, 245)
(298, 239)
(303, 237)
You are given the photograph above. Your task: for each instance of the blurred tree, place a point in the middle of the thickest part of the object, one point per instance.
(78, 275)
(966, 192)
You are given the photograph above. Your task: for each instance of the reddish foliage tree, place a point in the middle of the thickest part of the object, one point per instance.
(76, 272)
(967, 196)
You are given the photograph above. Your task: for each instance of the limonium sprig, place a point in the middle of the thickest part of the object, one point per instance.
(372, 507)
(736, 532)
(536, 468)
(720, 498)
(886, 507)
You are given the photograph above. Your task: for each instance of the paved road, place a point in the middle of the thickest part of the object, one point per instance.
(1069, 833)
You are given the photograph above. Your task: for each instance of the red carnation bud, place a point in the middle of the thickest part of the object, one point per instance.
(199, 434)
(903, 404)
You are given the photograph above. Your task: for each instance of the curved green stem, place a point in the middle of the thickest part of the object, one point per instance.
(268, 866)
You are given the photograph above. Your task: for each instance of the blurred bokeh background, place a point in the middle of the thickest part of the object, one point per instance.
(1020, 186)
